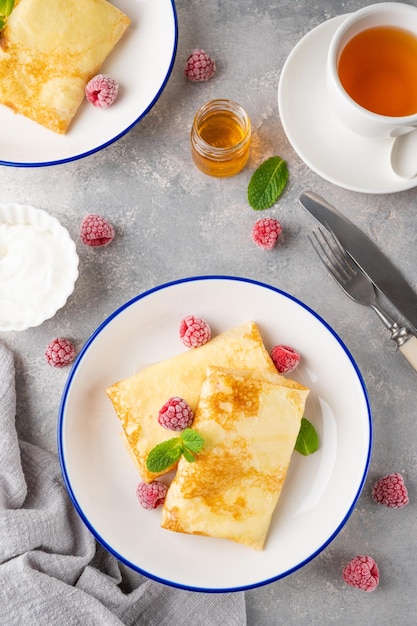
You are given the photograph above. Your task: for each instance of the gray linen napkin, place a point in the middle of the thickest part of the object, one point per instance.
(52, 571)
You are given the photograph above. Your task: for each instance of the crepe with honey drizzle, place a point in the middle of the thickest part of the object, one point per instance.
(249, 425)
(49, 50)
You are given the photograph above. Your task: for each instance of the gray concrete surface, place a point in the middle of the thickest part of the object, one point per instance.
(172, 221)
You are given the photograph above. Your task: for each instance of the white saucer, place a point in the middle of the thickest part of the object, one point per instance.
(319, 138)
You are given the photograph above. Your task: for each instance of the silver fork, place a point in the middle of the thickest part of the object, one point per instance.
(354, 282)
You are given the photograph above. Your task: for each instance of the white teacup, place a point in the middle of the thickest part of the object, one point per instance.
(360, 89)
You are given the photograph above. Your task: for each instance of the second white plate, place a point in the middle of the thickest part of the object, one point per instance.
(141, 63)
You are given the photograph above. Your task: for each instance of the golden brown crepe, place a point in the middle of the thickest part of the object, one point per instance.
(49, 50)
(249, 427)
(138, 399)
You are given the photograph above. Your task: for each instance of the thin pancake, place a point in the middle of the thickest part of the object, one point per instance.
(250, 427)
(49, 50)
(137, 400)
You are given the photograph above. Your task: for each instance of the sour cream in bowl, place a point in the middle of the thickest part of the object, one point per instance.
(38, 266)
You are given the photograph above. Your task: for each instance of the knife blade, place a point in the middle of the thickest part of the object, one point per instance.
(382, 272)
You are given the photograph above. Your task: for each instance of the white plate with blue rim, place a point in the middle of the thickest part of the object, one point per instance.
(141, 63)
(321, 489)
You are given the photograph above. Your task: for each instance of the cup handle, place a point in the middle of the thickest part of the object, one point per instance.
(403, 156)
(402, 130)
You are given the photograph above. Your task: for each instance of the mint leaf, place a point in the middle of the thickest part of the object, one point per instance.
(267, 183)
(192, 440)
(168, 452)
(6, 7)
(307, 440)
(165, 454)
(188, 456)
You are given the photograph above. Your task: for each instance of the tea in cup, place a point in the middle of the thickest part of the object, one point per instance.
(372, 70)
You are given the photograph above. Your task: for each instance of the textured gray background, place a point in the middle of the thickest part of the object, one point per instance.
(172, 221)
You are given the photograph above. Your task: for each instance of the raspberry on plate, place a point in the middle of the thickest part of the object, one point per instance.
(194, 331)
(285, 358)
(362, 573)
(102, 91)
(391, 491)
(265, 233)
(199, 66)
(176, 414)
(151, 495)
(96, 231)
(60, 352)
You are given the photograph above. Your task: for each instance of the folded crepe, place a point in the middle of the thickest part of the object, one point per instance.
(49, 50)
(250, 427)
(138, 399)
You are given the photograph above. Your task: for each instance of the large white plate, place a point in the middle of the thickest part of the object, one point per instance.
(328, 147)
(320, 491)
(141, 63)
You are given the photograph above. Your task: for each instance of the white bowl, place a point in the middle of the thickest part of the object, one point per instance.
(38, 266)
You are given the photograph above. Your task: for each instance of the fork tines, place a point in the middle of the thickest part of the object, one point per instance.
(333, 255)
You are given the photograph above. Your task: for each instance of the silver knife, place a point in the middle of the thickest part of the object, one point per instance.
(367, 255)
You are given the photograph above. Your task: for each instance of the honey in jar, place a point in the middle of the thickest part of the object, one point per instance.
(220, 138)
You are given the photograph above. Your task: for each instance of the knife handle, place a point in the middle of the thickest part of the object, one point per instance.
(409, 350)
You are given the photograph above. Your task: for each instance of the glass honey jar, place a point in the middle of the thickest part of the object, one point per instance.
(220, 138)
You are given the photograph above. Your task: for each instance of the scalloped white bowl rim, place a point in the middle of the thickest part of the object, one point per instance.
(14, 213)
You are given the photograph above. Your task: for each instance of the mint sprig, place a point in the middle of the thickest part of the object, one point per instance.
(267, 183)
(168, 452)
(307, 440)
(6, 7)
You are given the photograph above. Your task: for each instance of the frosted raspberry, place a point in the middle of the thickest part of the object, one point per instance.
(199, 66)
(362, 572)
(391, 491)
(60, 352)
(151, 495)
(194, 331)
(265, 232)
(176, 414)
(102, 91)
(96, 231)
(285, 358)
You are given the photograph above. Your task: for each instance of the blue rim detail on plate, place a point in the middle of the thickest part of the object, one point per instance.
(73, 497)
(126, 130)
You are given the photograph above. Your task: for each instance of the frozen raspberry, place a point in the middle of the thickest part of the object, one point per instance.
(151, 495)
(199, 66)
(391, 491)
(60, 352)
(96, 231)
(362, 572)
(176, 414)
(102, 91)
(265, 233)
(194, 331)
(285, 358)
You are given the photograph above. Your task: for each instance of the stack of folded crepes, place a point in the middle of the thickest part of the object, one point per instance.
(249, 417)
